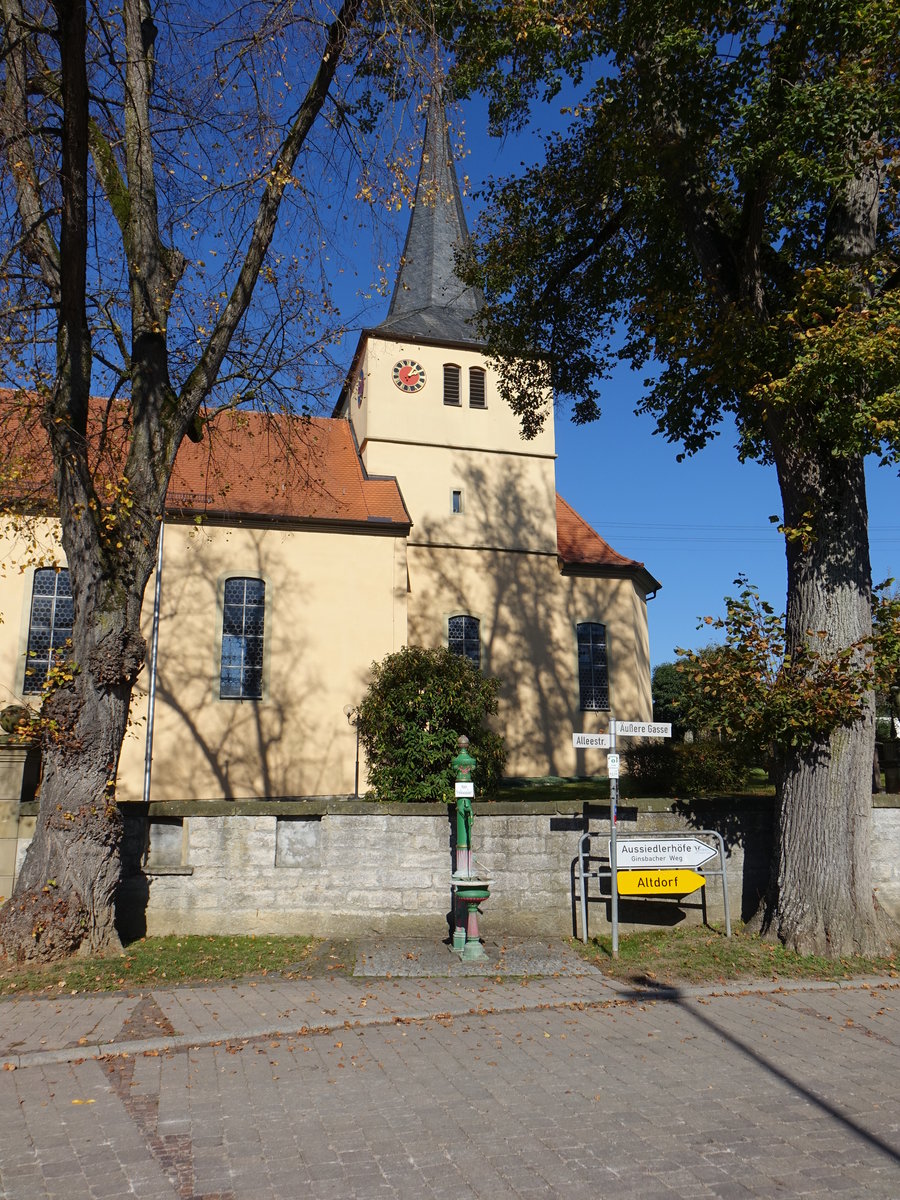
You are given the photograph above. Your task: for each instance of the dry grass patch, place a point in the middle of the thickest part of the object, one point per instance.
(161, 960)
(706, 955)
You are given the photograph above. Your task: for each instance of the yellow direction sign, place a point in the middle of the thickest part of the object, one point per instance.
(658, 883)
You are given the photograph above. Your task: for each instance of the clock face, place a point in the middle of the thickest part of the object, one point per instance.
(408, 375)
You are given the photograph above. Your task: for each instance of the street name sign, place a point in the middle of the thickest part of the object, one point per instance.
(634, 852)
(643, 729)
(590, 741)
(658, 883)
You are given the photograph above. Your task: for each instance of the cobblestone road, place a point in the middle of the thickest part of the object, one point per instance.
(506, 1090)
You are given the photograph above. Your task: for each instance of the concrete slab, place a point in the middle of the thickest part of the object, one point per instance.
(426, 958)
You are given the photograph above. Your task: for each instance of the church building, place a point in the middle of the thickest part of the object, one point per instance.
(296, 552)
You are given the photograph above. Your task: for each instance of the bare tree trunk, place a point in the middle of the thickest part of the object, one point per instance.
(64, 897)
(820, 898)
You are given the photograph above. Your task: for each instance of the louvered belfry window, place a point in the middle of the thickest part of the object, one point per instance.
(49, 626)
(593, 677)
(243, 631)
(451, 384)
(476, 388)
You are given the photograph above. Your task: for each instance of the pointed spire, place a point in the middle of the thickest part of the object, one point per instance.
(429, 300)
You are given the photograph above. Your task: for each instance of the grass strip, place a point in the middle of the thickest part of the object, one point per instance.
(161, 960)
(705, 955)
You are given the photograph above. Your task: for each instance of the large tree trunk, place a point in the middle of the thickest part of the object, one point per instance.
(64, 901)
(820, 898)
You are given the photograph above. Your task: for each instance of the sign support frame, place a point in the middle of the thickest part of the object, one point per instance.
(704, 870)
(613, 821)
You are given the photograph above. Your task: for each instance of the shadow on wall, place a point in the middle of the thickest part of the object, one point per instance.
(528, 611)
(748, 822)
(207, 747)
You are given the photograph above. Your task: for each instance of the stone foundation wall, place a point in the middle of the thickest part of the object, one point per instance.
(352, 868)
(346, 867)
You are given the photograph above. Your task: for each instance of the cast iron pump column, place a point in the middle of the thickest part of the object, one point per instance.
(469, 889)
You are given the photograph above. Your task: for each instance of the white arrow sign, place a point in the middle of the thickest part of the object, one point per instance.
(662, 852)
(590, 741)
(642, 729)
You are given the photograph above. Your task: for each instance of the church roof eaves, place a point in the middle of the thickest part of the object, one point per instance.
(582, 550)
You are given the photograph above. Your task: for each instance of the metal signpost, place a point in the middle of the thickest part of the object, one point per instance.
(656, 864)
(623, 729)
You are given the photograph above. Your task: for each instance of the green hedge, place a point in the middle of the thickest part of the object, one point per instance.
(684, 768)
(417, 706)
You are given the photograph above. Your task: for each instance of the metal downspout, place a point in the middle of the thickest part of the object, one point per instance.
(154, 652)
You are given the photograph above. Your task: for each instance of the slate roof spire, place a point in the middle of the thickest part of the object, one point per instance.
(429, 300)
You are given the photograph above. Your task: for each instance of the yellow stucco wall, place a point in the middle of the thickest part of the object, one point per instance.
(386, 413)
(528, 613)
(334, 603)
(507, 485)
(508, 500)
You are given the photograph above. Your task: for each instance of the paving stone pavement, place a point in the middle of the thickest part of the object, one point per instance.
(443, 1087)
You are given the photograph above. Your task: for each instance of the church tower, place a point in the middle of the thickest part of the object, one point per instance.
(424, 402)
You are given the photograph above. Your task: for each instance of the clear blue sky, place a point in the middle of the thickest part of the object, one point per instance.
(696, 524)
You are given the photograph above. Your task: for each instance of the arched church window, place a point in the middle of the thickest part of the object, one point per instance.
(49, 626)
(243, 630)
(464, 637)
(593, 677)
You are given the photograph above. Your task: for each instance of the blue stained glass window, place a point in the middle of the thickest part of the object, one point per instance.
(243, 632)
(593, 679)
(50, 625)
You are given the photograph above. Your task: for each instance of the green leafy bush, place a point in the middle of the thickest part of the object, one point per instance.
(417, 705)
(684, 769)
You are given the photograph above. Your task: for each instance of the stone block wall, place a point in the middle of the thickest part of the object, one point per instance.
(886, 853)
(341, 867)
(345, 867)
(18, 779)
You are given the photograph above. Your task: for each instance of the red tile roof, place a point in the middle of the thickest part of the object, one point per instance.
(291, 468)
(281, 467)
(248, 464)
(578, 545)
